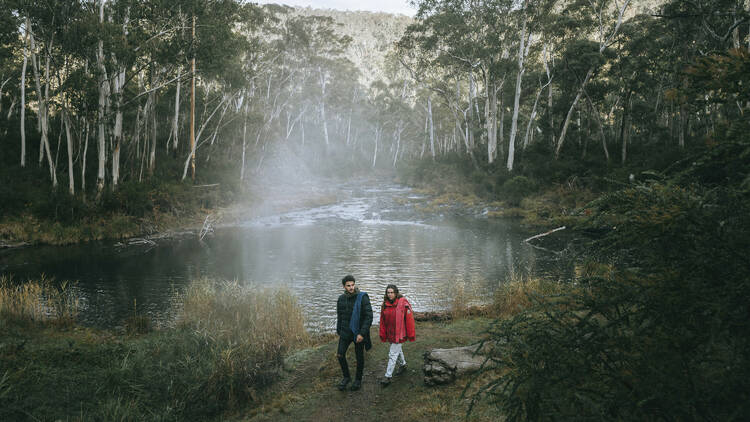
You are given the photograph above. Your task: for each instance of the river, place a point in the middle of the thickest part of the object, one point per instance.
(375, 233)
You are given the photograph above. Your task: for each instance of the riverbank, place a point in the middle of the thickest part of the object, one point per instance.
(164, 211)
(447, 189)
(217, 362)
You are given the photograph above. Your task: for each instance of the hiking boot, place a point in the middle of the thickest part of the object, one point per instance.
(344, 382)
(356, 385)
(385, 382)
(401, 369)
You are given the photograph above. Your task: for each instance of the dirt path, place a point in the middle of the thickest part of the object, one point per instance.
(308, 390)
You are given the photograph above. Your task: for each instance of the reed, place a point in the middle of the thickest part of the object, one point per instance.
(269, 320)
(38, 301)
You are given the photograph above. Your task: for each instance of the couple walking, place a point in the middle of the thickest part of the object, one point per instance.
(354, 317)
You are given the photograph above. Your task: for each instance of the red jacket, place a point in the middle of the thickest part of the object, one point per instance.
(397, 321)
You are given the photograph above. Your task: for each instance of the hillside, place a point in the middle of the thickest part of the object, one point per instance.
(372, 35)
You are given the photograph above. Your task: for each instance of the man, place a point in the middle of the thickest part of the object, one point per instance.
(354, 317)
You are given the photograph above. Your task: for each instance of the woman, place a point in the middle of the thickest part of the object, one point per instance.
(396, 326)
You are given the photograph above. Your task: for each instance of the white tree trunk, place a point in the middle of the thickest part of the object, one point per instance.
(118, 88)
(83, 157)
(23, 93)
(103, 93)
(69, 137)
(399, 129)
(533, 114)
(152, 152)
(198, 135)
(516, 101)
(375, 151)
(432, 127)
(323, 83)
(244, 143)
(469, 122)
(561, 139)
(545, 55)
(43, 98)
(491, 121)
(175, 122)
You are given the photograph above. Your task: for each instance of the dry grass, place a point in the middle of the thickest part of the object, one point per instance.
(265, 320)
(515, 295)
(138, 323)
(39, 301)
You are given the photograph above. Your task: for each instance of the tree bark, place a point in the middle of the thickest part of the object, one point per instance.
(43, 98)
(103, 93)
(244, 142)
(83, 157)
(69, 138)
(23, 92)
(533, 114)
(175, 122)
(192, 110)
(492, 120)
(323, 83)
(517, 97)
(375, 151)
(561, 139)
(432, 129)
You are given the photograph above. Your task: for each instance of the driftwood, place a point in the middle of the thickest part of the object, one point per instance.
(544, 234)
(207, 227)
(443, 366)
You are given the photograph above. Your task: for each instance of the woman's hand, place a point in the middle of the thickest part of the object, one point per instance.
(359, 338)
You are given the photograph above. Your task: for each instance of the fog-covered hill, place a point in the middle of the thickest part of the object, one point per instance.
(372, 35)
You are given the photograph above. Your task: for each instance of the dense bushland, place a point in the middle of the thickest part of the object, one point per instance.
(658, 333)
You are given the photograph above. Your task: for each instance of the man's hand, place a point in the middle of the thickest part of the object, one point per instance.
(359, 338)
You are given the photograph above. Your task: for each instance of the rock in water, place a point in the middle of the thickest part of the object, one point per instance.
(443, 366)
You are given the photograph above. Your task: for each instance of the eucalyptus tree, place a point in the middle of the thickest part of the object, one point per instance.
(11, 42)
(481, 39)
(600, 18)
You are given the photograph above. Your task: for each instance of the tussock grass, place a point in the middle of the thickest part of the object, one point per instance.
(41, 301)
(269, 320)
(515, 295)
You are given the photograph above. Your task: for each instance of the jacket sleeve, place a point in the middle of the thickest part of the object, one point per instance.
(382, 326)
(366, 315)
(411, 332)
(338, 316)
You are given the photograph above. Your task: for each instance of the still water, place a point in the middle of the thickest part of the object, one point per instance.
(373, 233)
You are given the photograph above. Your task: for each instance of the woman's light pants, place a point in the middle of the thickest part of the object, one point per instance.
(395, 354)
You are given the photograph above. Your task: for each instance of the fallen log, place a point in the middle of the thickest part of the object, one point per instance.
(443, 366)
(447, 315)
(544, 234)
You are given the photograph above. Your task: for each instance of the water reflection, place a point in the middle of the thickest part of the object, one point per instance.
(368, 234)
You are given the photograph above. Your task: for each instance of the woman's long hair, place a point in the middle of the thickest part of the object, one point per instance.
(395, 290)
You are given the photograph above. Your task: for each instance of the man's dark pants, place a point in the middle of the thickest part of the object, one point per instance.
(359, 351)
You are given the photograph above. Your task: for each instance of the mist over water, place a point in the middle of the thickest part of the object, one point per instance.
(372, 232)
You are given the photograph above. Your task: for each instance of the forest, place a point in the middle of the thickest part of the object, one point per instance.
(621, 119)
(547, 90)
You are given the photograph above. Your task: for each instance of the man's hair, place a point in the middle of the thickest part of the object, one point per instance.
(347, 278)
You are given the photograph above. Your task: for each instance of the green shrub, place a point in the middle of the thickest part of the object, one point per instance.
(515, 189)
